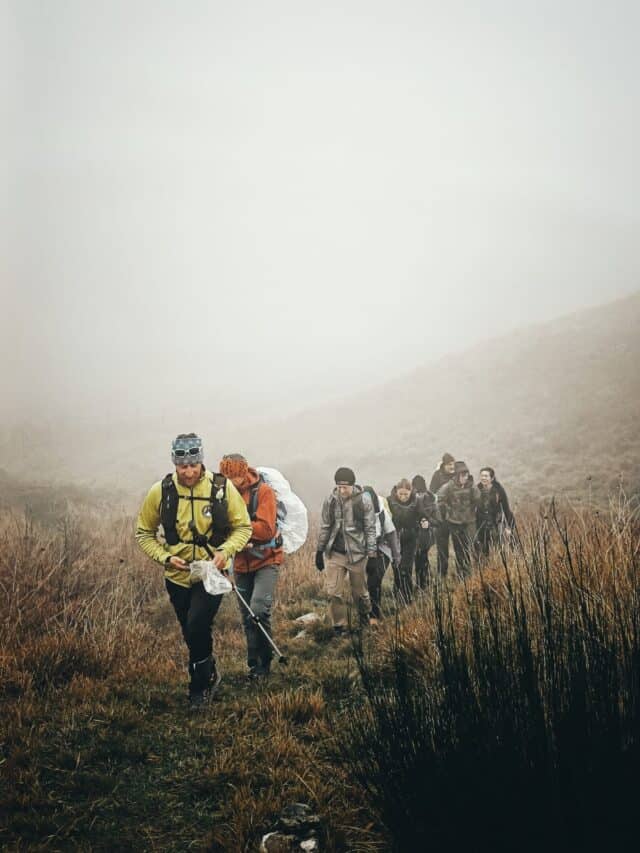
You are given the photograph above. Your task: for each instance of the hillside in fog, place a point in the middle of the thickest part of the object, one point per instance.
(548, 407)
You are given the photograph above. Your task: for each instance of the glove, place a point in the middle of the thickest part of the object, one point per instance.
(320, 561)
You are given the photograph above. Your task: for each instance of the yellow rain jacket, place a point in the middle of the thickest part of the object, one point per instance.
(190, 510)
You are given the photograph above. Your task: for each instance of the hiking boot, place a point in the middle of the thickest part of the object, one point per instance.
(205, 678)
(198, 701)
(258, 672)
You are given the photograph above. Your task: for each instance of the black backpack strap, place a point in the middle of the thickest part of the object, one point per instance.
(219, 529)
(253, 499)
(374, 498)
(169, 510)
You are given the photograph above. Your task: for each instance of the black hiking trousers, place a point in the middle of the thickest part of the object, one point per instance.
(488, 537)
(403, 574)
(442, 543)
(376, 567)
(195, 610)
(423, 571)
(463, 538)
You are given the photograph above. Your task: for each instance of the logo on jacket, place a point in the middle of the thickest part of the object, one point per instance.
(207, 511)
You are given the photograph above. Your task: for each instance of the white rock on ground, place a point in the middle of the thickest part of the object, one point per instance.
(308, 619)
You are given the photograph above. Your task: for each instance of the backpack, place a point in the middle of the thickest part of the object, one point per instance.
(291, 513)
(219, 529)
(358, 507)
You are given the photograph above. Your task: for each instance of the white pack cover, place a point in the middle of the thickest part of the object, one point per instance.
(214, 581)
(292, 513)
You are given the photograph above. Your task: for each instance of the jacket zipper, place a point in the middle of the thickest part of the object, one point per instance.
(193, 519)
(344, 532)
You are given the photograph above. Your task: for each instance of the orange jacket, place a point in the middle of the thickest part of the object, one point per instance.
(264, 527)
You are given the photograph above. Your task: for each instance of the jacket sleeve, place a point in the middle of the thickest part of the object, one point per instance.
(325, 525)
(442, 498)
(504, 504)
(430, 508)
(148, 524)
(369, 524)
(394, 543)
(265, 525)
(475, 496)
(435, 482)
(239, 522)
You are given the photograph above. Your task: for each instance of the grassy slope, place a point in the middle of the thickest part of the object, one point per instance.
(100, 751)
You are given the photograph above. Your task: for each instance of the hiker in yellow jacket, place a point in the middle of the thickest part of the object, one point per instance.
(203, 517)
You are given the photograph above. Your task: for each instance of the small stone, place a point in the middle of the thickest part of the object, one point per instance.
(308, 619)
(277, 842)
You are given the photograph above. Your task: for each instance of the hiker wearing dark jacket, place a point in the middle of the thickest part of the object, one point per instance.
(426, 535)
(256, 566)
(458, 501)
(441, 476)
(493, 513)
(388, 552)
(409, 517)
(347, 539)
(202, 515)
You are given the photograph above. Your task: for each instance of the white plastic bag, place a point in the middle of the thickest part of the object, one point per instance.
(214, 581)
(292, 513)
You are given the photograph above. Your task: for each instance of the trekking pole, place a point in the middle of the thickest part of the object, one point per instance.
(282, 660)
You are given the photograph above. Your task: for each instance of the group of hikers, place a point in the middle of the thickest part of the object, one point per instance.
(230, 518)
(362, 532)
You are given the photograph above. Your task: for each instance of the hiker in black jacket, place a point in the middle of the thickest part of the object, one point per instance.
(441, 476)
(493, 514)
(409, 517)
(426, 535)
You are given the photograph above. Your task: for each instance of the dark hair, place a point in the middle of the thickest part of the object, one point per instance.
(488, 468)
(187, 435)
(419, 483)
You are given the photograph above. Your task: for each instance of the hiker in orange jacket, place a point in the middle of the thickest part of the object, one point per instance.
(256, 566)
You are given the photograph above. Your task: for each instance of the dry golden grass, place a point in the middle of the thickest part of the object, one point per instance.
(99, 750)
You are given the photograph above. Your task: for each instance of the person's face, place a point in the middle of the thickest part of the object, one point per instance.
(344, 491)
(403, 495)
(188, 475)
(238, 482)
(463, 476)
(450, 467)
(485, 478)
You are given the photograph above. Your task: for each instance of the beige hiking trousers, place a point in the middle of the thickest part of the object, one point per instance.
(336, 568)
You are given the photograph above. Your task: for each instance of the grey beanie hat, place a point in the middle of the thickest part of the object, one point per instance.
(186, 449)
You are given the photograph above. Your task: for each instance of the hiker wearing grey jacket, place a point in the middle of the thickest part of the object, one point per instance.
(458, 501)
(347, 539)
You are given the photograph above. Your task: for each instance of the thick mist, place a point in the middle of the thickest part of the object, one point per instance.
(250, 209)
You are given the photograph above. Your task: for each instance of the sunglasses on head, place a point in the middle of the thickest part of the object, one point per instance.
(181, 454)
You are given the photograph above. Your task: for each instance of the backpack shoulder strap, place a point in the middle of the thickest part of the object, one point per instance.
(253, 498)
(218, 483)
(169, 510)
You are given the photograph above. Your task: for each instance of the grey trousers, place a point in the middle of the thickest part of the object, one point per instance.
(257, 589)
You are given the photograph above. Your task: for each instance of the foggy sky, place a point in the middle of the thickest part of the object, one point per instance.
(279, 202)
